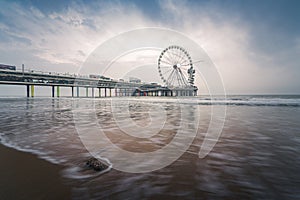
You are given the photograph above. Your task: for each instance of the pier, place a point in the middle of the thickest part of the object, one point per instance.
(106, 87)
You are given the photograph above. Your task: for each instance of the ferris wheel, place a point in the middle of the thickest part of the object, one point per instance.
(175, 67)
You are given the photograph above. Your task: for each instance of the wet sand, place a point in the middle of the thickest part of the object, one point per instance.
(25, 176)
(256, 156)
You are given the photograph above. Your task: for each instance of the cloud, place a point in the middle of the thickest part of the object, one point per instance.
(68, 36)
(225, 41)
(228, 40)
(63, 39)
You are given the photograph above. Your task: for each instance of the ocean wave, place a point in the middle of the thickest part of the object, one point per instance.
(230, 101)
(71, 171)
(252, 102)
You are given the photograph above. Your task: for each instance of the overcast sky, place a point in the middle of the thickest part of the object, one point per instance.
(255, 45)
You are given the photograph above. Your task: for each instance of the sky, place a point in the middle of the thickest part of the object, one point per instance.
(255, 45)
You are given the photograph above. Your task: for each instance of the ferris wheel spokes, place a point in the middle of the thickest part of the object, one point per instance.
(175, 67)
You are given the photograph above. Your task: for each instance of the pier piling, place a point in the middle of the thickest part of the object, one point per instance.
(53, 91)
(57, 91)
(72, 88)
(32, 90)
(27, 90)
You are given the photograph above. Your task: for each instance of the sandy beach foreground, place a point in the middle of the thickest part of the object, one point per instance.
(25, 176)
(255, 157)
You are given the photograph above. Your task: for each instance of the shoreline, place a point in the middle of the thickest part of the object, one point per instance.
(25, 176)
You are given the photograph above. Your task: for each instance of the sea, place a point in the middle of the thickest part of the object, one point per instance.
(205, 147)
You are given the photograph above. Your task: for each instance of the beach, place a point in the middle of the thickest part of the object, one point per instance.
(255, 157)
(25, 176)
